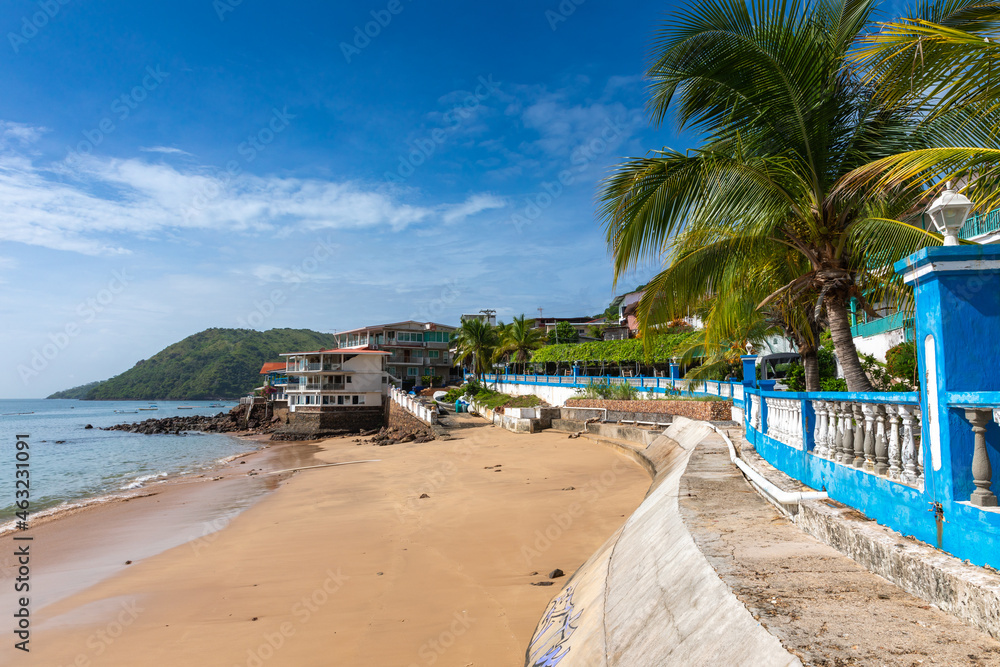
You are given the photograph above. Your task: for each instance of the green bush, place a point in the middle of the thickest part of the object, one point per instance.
(663, 348)
(901, 362)
(609, 392)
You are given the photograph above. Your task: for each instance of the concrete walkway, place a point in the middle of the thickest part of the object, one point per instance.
(649, 597)
(821, 605)
(707, 572)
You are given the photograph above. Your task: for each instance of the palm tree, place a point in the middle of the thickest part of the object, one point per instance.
(785, 119)
(476, 339)
(941, 61)
(519, 339)
(741, 279)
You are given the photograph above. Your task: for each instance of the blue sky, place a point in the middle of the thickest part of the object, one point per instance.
(168, 167)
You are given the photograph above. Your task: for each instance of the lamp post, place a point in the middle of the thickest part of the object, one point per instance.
(949, 212)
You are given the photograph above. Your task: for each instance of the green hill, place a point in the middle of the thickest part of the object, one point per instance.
(213, 364)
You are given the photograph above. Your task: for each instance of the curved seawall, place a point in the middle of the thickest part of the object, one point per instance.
(649, 596)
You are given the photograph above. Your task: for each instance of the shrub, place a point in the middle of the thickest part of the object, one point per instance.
(901, 362)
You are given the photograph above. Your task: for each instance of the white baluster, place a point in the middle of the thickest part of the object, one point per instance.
(909, 474)
(868, 410)
(895, 445)
(819, 435)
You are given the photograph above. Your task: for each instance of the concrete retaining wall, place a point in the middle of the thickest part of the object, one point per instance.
(310, 424)
(649, 596)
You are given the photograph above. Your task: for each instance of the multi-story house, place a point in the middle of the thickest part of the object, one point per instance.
(275, 376)
(336, 390)
(416, 349)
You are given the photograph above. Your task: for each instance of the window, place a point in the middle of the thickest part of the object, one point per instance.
(413, 372)
(385, 380)
(418, 354)
(348, 379)
(391, 370)
(340, 400)
(361, 400)
(433, 354)
(409, 337)
(354, 400)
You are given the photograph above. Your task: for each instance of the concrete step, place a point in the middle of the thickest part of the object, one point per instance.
(570, 425)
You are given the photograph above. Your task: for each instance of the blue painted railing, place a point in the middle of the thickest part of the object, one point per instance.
(883, 325)
(866, 450)
(979, 224)
(728, 390)
(871, 451)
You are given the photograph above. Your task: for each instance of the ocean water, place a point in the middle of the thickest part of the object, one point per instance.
(71, 464)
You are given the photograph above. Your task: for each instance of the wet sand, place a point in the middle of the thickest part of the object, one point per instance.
(343, 565)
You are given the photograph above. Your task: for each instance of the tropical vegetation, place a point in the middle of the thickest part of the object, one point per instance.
(518, 340)
(661, 349)
(476, 341)
(804, 155)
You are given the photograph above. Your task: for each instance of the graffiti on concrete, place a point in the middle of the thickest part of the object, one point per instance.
(548, 648)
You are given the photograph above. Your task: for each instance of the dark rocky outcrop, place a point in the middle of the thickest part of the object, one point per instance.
(233, 421)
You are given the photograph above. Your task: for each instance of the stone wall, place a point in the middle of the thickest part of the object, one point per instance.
(315, 423)
(697, 410)
(402, 421)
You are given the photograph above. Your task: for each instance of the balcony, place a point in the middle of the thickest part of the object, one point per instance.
(980, 224)
(883, 325)
(314, 368)
(317, 386)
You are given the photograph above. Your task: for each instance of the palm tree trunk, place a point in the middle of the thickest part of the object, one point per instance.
(843, 342)
(810, 362)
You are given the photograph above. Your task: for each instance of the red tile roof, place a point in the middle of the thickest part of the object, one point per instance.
(272, 366)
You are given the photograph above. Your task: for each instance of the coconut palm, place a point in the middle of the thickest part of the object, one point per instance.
(941, 60)
(741, 279)
(785, 119)
(519, 339)
(477, 340)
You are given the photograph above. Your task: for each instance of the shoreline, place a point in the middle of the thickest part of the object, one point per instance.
(436, 543)
(125, 494)
(156, 518)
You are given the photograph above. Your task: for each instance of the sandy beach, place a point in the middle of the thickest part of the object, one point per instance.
(344, 565)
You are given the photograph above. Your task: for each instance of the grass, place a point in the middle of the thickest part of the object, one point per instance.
(491, 399)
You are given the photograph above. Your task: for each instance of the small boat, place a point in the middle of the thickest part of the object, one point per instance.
(126, 412)
(217, 405)
(152, 407)
(185, 407)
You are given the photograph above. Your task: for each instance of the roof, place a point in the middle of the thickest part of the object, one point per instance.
(272, 366)
(395, 324)
(354, 350)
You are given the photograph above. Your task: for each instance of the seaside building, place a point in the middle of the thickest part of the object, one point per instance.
(336, 390)
(276, 377)
(488, 316)
(416, 350)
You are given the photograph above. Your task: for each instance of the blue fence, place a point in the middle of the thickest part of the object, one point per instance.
(866, 450)
(732, 390)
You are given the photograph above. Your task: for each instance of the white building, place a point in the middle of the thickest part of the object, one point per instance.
(332, 379)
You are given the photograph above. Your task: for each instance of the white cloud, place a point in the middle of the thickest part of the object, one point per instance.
(471, 206)
(94, 205)
(163, 149)
(19, 132)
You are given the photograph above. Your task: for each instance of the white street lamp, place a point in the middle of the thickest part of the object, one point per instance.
(949, 212)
